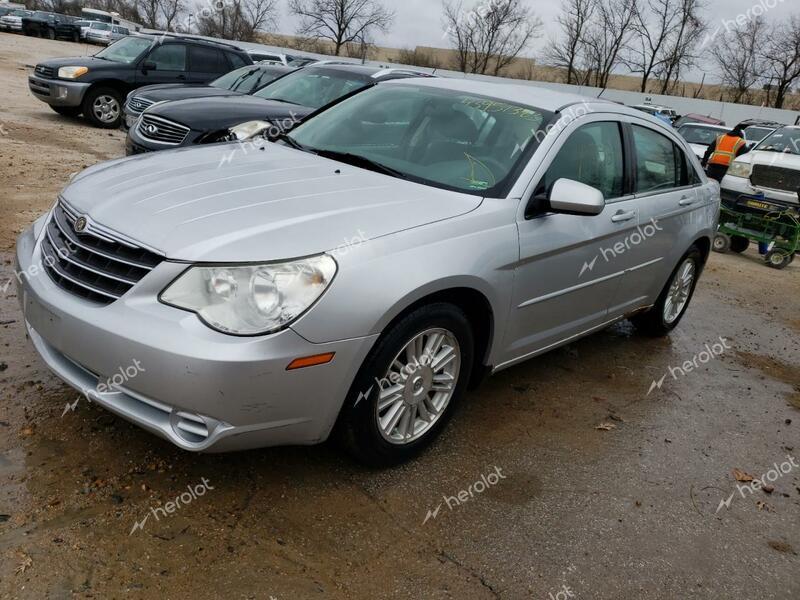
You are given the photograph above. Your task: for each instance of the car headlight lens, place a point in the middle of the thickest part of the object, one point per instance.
(252, 299)
(245, 131)
(740, 169)
(72, 72)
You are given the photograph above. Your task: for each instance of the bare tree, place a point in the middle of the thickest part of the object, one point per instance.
(781, 56)
(607, 36)
(565, 52)
(340, 22)
(237, 19)
(681, 51)
(491, 36)
(736, 54)
(159, 14)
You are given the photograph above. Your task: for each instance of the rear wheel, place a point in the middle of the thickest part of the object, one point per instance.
(739, 244)
(67, 111)
(51, 34)
(674, 300)
(409, 385)
(76, 37)
(778, 259)
(102, 107)
(722, 243)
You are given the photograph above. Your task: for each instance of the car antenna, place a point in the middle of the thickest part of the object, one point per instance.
(603, 91)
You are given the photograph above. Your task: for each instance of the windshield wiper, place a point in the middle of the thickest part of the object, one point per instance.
(283, 101)
(361, 161)
(284, 137)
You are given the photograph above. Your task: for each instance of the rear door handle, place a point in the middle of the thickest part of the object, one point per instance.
(621, 217)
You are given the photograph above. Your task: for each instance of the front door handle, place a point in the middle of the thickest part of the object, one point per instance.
(687, 201)
(621, 217)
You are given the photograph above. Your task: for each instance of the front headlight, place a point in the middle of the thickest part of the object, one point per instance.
(72, 72)
(251, 299)
(740, 169)
(245, 131)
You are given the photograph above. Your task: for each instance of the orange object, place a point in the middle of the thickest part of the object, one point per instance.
(728, 147)
(311, 361)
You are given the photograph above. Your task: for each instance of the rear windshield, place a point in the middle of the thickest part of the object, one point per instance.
(102, 26)
(247, 79)
(697, 134)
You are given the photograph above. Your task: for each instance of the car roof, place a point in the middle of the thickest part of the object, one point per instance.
(530, 95)
(705, 125)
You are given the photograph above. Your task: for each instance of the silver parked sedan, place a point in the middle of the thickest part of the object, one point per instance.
(358, 275)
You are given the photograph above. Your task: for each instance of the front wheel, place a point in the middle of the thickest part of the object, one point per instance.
(409, 385)
(778, 259)
(102, 107)
(674, 299)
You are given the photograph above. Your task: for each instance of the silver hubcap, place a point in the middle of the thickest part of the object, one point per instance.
(418, 386)
(679, 291)
(106, 108)
(777, 258)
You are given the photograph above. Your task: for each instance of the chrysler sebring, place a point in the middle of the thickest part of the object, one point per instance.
(355, 277)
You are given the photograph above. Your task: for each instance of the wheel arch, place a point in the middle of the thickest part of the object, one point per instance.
(704, 244)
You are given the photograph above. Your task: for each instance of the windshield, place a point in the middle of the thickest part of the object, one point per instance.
(697, 134)
(756, 134)
(313, 88)
(783, 140)
(246, 80)
(444, 138)
(101, 26)
(297, 61)
(21, 13)
(126, 50)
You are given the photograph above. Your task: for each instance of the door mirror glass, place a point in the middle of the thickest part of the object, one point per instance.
(576, 198)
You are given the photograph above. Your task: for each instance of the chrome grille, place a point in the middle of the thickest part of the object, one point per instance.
(46, 72)
(776, 178)
(90, 264)
(161, 130)
(137, 105)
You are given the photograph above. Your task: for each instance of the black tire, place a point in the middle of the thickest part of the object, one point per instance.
(51, 34)
(76, 37)
(777, 259)
(89, 100)
(358, 427)
(739, 244)
(67, 111)
(653, 322)
(722, 243)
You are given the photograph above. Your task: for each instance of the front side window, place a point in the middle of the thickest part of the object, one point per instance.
(170, 57)
(313, 88)
(592, 155)
(660, 165)
(444, 138)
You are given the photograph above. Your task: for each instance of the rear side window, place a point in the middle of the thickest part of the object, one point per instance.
(660, 164)
(592, 155)
(169, 57)
(236, 61)
(207, 60)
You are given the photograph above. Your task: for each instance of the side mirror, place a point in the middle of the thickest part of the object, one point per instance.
(575, 198)
(149, 65)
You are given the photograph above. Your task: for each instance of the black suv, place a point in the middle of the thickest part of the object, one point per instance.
(272, 110)
(51, 26)
(97, 85)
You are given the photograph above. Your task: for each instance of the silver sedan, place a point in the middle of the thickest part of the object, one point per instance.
(355, 277)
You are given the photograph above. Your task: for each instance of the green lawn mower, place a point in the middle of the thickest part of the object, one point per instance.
(773, 226)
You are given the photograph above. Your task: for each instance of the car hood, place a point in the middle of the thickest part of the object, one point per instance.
(94, 64)
(182, 92)
(772, 159)
(237, 203)
(699, 150)
(210, 114)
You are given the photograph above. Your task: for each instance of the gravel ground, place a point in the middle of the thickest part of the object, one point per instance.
(591, 485)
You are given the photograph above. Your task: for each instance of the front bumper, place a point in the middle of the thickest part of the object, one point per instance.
(199, 389)
(56, 91)
(733, 187)
(11, 26)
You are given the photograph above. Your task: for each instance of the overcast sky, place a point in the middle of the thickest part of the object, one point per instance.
(419, 22)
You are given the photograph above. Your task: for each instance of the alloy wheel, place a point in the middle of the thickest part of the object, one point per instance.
(106, 108)
(680, 291)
